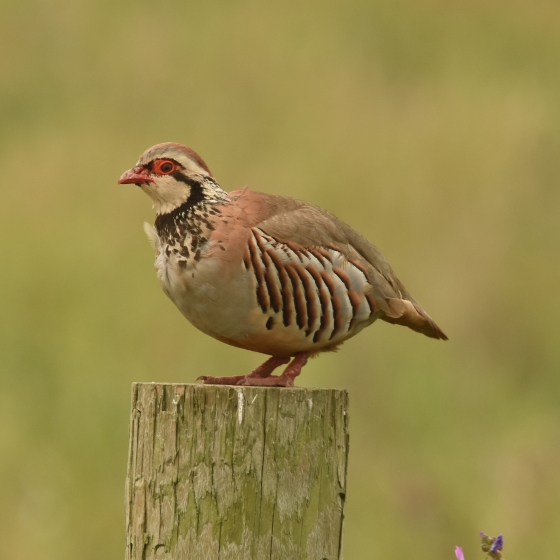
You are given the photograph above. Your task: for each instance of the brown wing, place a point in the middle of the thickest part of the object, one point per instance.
(296, 222)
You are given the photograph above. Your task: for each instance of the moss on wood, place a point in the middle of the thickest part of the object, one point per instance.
(230, 473)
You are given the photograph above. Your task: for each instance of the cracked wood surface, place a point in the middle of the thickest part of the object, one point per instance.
(234, 473)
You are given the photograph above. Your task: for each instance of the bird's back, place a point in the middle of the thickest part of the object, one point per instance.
(306, 227)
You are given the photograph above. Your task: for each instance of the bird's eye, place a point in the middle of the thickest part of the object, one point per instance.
(165, 167)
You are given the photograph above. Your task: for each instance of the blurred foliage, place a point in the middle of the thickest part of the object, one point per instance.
(432, 127)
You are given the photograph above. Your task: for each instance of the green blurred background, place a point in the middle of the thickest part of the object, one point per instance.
(432, 127)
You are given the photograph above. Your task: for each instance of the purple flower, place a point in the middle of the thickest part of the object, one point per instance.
(459, 553)
(498, 544)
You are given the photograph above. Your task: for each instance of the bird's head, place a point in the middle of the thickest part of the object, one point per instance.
(171, 174)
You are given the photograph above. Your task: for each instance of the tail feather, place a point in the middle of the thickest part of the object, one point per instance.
(411, 315)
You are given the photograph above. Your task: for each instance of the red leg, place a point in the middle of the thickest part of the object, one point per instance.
(284, 380)
(264, 370)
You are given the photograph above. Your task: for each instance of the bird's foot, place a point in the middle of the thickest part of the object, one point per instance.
(270, 381)
(264, 370)
(261, 376)
(284, 380)
(209, 380)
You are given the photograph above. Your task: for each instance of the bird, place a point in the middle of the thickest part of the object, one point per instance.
(262, 272)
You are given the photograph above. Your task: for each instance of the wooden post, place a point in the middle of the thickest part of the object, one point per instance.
(234, 473)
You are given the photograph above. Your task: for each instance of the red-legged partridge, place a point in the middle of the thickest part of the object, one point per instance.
(266, 273)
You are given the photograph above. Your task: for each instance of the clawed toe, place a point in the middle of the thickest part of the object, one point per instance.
(209, 380)
(260, 377)
(271, 381)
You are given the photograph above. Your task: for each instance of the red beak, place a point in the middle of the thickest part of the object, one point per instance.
(136, 176)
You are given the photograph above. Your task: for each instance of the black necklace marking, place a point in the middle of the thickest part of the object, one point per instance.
(188, 224)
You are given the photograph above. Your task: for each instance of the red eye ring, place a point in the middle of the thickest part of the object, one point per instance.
(165, 166)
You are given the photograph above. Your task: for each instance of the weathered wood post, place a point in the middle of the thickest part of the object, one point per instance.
(232, 473)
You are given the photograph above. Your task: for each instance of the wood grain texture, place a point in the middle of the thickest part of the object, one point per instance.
(231, 473)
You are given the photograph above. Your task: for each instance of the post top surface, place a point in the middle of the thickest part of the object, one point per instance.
(202, 387)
